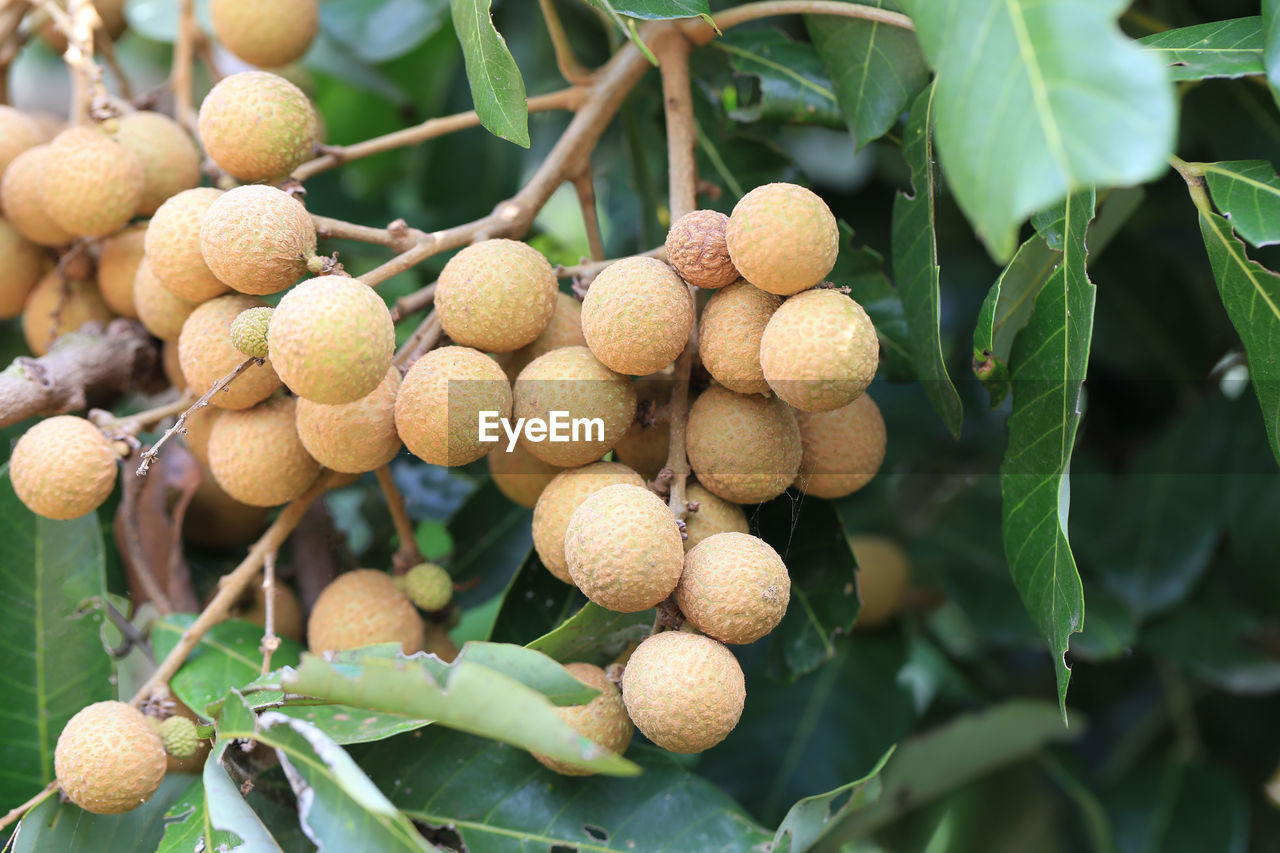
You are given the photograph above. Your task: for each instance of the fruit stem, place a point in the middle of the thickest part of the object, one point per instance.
(401, 238)
(414, 302)
(586, 190)
(180, 425)
(407, 555)
(77, 23)
(584, 273)
(139, 421)
(270, 642)
(419, 343)
(701, 33)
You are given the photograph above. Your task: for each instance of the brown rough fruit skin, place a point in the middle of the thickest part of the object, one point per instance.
(23, 263)
(173, 246)
(53, 311)
(782, 238)
(218, 521)
(564, 330)
(743, 448)
(496, 296)
(362, 608)
(257, 239)
(331, 339)
(353, 437)
(437, 409)
(624, 549)
(160, 311)
(63, 467)
(169, 158)
(267, 33)
(257, 457)
(603, 720)
(637, 316)
(207, 354)
(118, 262)
(558, 501)
(570, 379)
(18, 132)
(714, 515)
(819, 351)
(696, 247)
(257, 126)
(884, 574)
(92, 184)
(684, 691)
(108, 759)
(734, 588)
(22, 198)
(843, 449)
(729, 333)
(520, 475)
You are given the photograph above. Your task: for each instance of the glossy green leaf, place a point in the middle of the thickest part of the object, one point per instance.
(1047, 368)
(381, 30)
(915, 266)
(1037, 98)
(496, 85)
(1271, 44)
(200, 817)
(655, 10)
(1230, 48)
(809, 818)
(531, 668)
(534, 602)
(66, 828)
(790, 82)
(594, 635)
(52, 572)
(1248, 194)
(492, 539)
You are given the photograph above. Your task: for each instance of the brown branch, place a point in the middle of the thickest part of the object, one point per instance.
(677, 460)
(270, 642)
(180, 425)
(109, 57)
(79, 368)
(396, 236)
(582, 184)
(407, 555)
(571, 69)
(139, 421)
(700, 33)
(421, 342)
(414, 302)
(11, 41)
(587, 271)
(180, 78)
(18, 811)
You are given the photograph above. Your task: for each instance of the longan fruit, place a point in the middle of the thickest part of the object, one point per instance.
(58, 306)
(884, 575)
(843, 449)
(257, 239)
(437, 411)
(734, 588)
(198, 428)
(18, 132)
(256, 455)
(63, 467)
(257, 126)
(108, 759)
(558, 501)
(249, 331)
(496, 295)
(361, 608)
(729, 333)
(645, 446)
(267, 33)
(286, 610)
(206, 354)
(173, 246)
(118, 261)
(782, 238)
(564, 330)
(697, 248)
(353, 437)
(603, 720)
(520, 475)
(743, 448)
(819, 351)
(169, 157)
(216, 520)
(22, 198)
(195, 762)
(23, 264)
(92, 184)
(714, 515)
(637, 316)
(159, 310)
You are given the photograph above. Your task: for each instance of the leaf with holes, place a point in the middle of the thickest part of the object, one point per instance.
(790, 82)
(808, 819)
(1248, 192)
(1230, 48)
(496, 85)
(66, 828)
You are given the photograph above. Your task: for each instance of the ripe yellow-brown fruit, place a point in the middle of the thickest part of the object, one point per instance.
(92, 184)
(520, 475)
(571, 380)
(108, 759)
(207, 354)
(558, 501)
(624, 549)
(684, 691)
(286, 615)
(496, 296)
(637, 316)
(169, 157)
(118, 262)
(215, 519)
(696, 247)
(332, 339)
(729, 334)
(173, 246)
(268, 33)
(744, 448)
(50, 124)
(249, 331)
(603, 720)
(782, 238)
(171, 366)
(362, 608)
(22, 198)
(713, 515)
(111, 13)
(56, 307)
(23, 263)
(18, 132)
(198, 428)
(159, 310)
(843, 449)
(819, 351)
(257, 239)
(734, 588)
(353, 437)
(257, 457)
(884, 575)
(438, 408)
(647, 442)
(257, 126)
(63, 467)
(564, 330)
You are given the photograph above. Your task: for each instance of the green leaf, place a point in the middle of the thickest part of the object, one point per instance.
(808, 819)
(532, 669)
(791, 84)
(656, 10)
(594, 635)
(1271, 44)
(1248, 192)
(1217, 642)
(1251, 294)
(50, 637)
(1047, 367)
(915, 266)
(496, 85)
(1177, 805)
(198, 820)
(1036, 99)
(876, 69)
(534, 602)
(66, 828)
(381, 30)
(1231, 48)
(492, 538)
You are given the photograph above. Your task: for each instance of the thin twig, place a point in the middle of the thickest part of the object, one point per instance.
(180, 78)
(270, 642)
(701, 33)
(419, 343)
(397, 236)
(414, 302)
(589, 270)
(571, 69)
(407, 555)
(77, 23)
(181, 424)
(139, 421)
(18, 811)
(585, 188)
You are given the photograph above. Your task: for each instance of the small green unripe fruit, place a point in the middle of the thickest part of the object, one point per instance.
(520, 475)
(207, 354)
(438, 408)
(353, 437)
(496, 296)
(729, 334)
(267, 33)
(169, 157)
(696, 247)
(257, 126)
(56, 307)
(257, 457)
(179, 737)
(92, 184)
(332, 339)
(684, 691)
(713, 515)
(884, 574)
(560, 498)
(22, 199)
(428, 586)
(603, 720)
(843, 449)
(637, 316)
(734, 588)
(564, 330)
(23, 263)
(257, 239)
(249, 331)
(782, 238)
(108, 759)
(362, 608)
(161, 312)
(624, 549)
(819, 351)
(173, 246)
(63, 467)
(744, 448)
